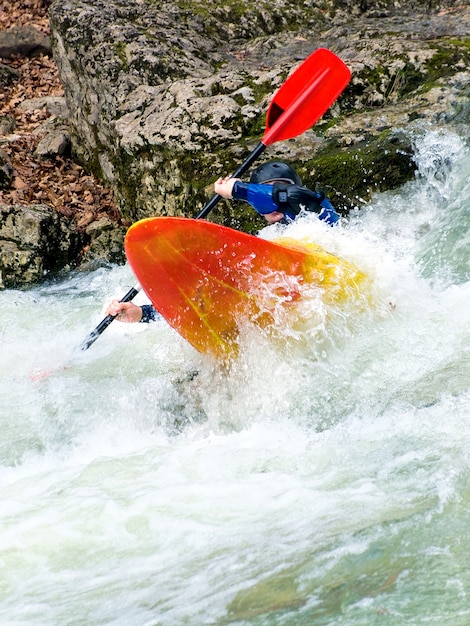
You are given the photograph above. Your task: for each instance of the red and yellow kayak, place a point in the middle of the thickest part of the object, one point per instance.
(207, 280)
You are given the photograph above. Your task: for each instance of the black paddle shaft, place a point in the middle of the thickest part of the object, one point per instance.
(241, 170)
(103, 325)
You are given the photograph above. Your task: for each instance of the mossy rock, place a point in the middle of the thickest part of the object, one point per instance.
(350, 175)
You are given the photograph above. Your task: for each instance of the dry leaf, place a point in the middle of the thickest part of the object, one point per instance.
(18, 183)
(89, 197)
(58, 182)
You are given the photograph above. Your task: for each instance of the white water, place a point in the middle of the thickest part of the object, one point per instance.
(317, 483)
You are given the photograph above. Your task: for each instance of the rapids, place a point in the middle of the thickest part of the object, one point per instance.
(322, 480)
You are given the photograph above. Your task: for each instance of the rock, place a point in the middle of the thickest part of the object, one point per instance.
(164, 99)
(54, 143)
(7, 125)
(6, 170)
(23, 41)
(106, 243)
(54, 132)
(54, 105)
(18, 266)
(8, 75)
(34, 241)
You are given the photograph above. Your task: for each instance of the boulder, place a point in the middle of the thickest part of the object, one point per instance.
(55, 142)
(164, 98)
(54, 133)
(35, 241)
(106, 243)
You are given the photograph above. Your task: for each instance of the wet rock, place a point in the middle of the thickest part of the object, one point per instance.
(106, 243)
(34, 242)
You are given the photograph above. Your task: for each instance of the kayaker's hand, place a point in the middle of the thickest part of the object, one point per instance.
(125, 311)
(273, 217)
(224, 186)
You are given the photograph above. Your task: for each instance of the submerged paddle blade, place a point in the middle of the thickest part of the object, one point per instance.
(305, 96)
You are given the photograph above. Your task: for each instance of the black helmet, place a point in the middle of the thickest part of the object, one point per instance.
(275, 171)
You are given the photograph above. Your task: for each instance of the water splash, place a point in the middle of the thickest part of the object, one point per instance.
(310, 482)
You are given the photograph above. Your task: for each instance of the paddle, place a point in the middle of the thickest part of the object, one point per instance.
(297, 105)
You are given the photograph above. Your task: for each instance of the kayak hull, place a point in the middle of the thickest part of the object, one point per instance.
(208, 280)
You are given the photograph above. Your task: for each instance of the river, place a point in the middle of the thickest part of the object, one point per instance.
(320, 481)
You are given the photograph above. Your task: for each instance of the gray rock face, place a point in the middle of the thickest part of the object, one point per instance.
(143, 93)
(163, 98)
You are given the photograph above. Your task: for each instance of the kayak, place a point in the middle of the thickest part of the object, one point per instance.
(209, 281)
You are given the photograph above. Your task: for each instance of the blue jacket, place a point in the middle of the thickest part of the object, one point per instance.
(149, 314)
(286, 198)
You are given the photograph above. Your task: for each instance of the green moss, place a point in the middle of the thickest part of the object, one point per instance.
(349, 176)
(460, 42)
(448, 54)
(120, 49)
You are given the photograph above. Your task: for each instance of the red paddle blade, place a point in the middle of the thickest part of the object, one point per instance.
(305, 96)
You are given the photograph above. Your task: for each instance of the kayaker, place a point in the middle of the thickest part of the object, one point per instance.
(275, 191)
